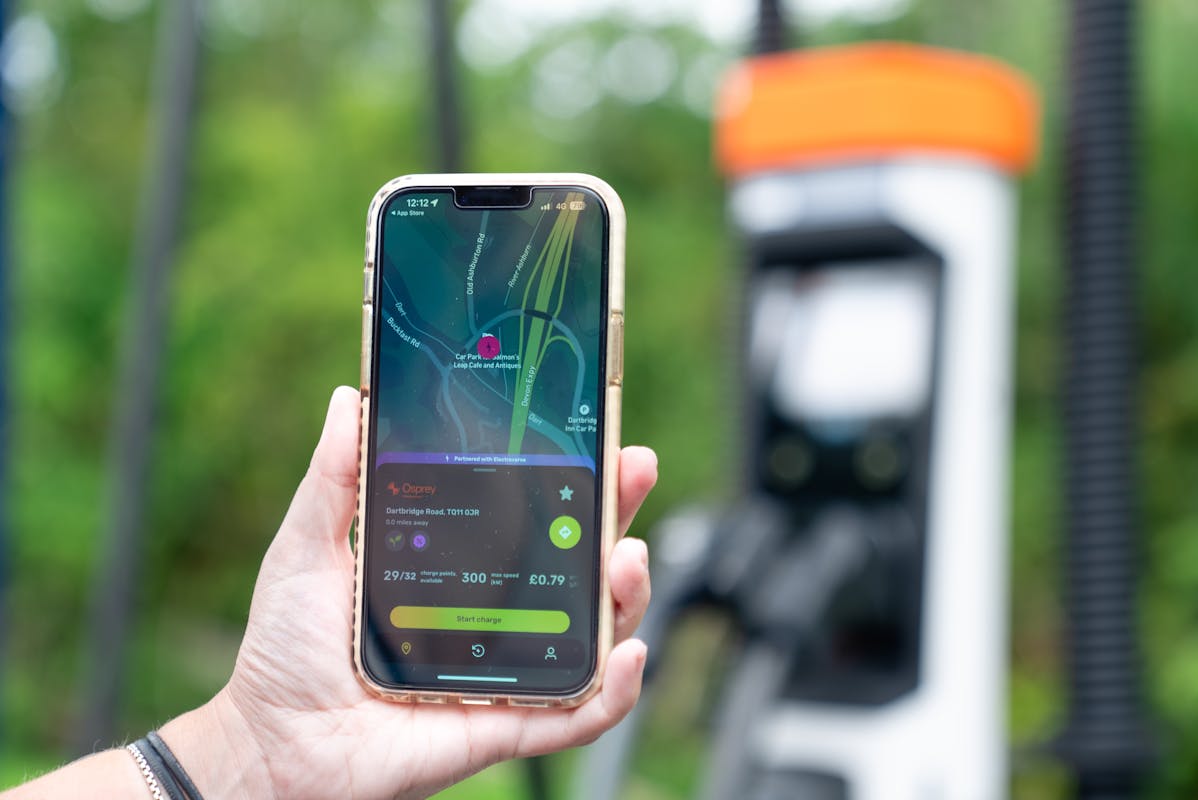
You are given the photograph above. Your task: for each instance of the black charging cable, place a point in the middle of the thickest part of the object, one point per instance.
(1107, 740)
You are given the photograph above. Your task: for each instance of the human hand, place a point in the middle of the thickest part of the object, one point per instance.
(295, 722)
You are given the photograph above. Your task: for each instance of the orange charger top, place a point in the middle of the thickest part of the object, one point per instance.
(872, 101)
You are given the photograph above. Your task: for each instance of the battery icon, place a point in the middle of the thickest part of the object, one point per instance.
(577, 205)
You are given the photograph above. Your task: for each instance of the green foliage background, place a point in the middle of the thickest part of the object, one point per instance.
(300, 121)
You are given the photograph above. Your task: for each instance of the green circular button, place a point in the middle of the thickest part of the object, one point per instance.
(565, 532)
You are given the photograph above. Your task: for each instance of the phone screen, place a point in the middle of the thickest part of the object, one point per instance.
(482, 535)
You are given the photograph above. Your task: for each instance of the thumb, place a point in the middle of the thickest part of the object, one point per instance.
(323, 506)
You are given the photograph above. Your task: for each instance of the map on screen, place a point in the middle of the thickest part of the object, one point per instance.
(489, 331)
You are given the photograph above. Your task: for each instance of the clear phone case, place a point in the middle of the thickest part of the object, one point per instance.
(611, 423)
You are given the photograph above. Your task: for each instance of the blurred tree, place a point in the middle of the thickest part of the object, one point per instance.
(162, 205)
(5, 156)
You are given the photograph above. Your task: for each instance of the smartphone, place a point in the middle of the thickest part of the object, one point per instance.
(493, 321)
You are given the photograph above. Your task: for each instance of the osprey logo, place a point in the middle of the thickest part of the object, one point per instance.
(411, 491)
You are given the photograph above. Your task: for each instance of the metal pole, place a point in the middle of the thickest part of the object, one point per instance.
(141, 354)
(1107, 739)
(445, 94)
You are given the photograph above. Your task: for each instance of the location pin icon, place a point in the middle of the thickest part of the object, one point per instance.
(406, 648)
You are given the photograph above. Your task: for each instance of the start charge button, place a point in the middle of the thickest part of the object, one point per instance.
(506, 620)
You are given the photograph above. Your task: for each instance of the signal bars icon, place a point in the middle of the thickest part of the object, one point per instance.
(545, 207)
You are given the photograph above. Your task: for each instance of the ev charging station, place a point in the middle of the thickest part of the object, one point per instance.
(864, 561)
(872, 189)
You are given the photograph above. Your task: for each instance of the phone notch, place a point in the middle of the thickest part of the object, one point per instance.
(492, 196)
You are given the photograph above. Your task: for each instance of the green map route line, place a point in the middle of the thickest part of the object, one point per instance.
(549, 272)
(545, 428)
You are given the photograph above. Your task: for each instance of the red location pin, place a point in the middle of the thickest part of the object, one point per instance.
(488, 346)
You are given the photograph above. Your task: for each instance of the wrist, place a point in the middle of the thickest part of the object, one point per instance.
(217, 747)
(111, 773)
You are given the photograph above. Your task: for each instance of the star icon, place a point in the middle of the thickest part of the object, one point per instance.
(566, 492)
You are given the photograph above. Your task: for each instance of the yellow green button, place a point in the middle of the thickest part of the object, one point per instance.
(565, 532)
(507, 620)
